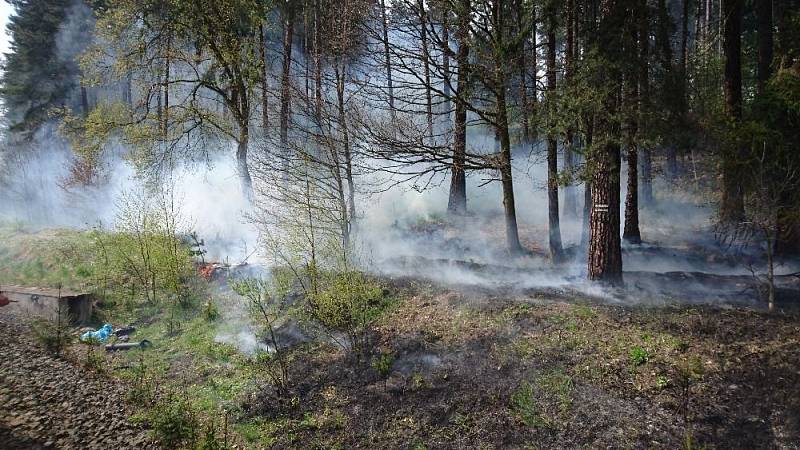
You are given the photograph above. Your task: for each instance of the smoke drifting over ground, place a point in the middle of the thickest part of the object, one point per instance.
(207, 197)
(404, 231)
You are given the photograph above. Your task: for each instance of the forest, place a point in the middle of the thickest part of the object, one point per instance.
(400, 224)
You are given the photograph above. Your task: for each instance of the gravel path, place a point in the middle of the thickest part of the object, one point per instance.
(48, 403)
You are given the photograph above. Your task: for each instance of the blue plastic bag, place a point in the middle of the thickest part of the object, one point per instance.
(101, 335)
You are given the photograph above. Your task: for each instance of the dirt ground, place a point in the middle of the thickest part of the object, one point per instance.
(54, 403)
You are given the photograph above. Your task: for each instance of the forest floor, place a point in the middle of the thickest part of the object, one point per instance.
(474, 366)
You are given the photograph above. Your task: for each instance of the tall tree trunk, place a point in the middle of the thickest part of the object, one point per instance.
(501, 126)
(241, 161)
(605, 253)
(129, 90)
(84, 101)
(732, 206)
(682, 64)
(262, 53)
(512, 233)
(631, 231)
(341, 82)
(587, 189)
(523, 74)
(664, 53)
(587, 211)
(698, 26)
(165, 86)
(306, 66)
(570, 202)
(647, 178)
(644, 103)
(588, 36)
(387, 57)
(534, 99)
(446, 67)
(764, 17)
(426, 70)
(286, 91)
(457, 202)
(318, 94)
(554, 226)
(631, 85)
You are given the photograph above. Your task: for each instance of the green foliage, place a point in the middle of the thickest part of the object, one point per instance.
(144, 256)
(690, 370)
(53, 333)
(349, 303)
(212, 438)
(382, 363)
(525, 407)
(143, 387)
(210, 311)
(639, 356)
(95, 360)
(173, 421)
(38, 74)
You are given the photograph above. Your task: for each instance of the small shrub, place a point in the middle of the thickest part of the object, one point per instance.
(662, 382)
(53, 333)
(143, 381)
(690, 370)
(350, 303)
(173, 421)
(212, 439)
(417, 380)
(94, 360)
(639, 356)
(210, 311)
(383, 364)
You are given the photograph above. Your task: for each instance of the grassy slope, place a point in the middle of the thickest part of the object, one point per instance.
(45, 258)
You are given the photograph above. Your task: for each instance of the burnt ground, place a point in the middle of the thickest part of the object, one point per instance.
(493, 355)
(482, 369)
(54, 403)
(473, 367)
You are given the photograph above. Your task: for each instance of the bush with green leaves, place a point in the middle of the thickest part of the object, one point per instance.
(382, 363)
(144, 255)
(348, 304)
(639, 356)
(213, 438)
(94, 360)
(54, 332)
(143, 383)
(174, 421)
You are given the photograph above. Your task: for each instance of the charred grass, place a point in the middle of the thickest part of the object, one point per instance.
(523, 372)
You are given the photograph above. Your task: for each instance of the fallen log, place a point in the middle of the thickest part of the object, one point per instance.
(128, 346)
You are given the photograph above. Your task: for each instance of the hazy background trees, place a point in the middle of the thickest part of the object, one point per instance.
(316, 98)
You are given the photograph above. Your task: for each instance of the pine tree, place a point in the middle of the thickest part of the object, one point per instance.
(40, 73)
